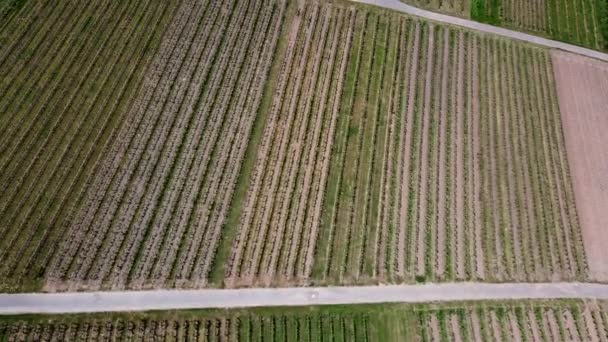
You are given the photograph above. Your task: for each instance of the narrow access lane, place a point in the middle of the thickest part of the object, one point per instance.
(81, 302)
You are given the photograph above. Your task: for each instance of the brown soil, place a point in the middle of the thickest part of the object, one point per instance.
(582, 86)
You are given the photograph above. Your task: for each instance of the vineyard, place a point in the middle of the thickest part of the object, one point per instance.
(525, 321)
(457, 172)
(121, 147)
(280, 216)
(409, 152)
(67, 73)
(582, 85)
(581, 22)
(154, 212)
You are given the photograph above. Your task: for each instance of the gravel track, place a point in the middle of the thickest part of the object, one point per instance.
(76, 302)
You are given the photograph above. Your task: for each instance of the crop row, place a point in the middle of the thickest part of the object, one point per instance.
(97, 162)
(526, 170)
(576, 322)
(278, 228)
(44, 164)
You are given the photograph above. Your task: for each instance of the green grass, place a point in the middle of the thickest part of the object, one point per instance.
(579, 22)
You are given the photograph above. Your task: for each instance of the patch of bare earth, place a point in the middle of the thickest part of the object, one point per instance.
(582, 86)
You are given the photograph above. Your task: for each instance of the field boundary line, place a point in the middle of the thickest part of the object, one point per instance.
(418, 12)
(81, 302)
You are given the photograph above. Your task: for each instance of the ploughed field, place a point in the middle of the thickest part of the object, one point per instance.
(271, 143)
(510, 321)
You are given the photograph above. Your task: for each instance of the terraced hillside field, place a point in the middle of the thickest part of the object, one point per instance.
(510, 321)
(435, 154)
(581, 22)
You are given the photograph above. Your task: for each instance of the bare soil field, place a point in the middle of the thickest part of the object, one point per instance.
(582, 86)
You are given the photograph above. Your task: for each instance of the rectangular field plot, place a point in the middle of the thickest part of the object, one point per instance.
(68, 72)
(510, 321)
(459, 8)
(583, 96)
(153, 213)
(433, 154)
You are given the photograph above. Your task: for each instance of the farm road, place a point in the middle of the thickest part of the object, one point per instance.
(401, 7)
(238, 298)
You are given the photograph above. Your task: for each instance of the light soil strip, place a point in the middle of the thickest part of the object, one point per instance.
(514, 327)
(423, 178)
(583, 97)
(383, 247)
(524, 142)
(326, 158)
